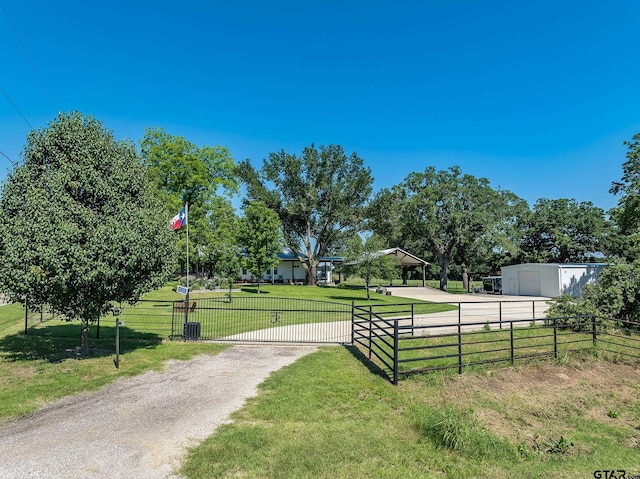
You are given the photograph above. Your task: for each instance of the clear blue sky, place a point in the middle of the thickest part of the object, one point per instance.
(535, 96)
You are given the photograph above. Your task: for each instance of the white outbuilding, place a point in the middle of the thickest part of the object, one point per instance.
(549, 279)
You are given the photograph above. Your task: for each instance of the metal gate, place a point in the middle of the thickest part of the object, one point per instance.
(251, 319)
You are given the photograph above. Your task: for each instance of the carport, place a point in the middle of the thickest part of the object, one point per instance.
(407, 260)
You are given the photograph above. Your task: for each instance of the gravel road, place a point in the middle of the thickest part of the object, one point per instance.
(138, 427)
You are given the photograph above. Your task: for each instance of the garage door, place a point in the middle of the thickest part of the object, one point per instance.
(529, 283)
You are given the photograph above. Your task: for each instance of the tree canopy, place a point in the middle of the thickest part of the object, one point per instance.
(320, 197)
(366, 259)
(261, 237)
(441, 213)
(563, 230)
(80, 225)
(627, 213)
(186, 173)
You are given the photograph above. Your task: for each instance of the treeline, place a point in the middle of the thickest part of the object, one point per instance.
(325, 202)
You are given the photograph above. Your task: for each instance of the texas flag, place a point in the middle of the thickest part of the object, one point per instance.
(179, 220)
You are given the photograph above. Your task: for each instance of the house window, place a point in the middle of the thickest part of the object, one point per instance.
(275, 270)
(244, 271)
(269, 271)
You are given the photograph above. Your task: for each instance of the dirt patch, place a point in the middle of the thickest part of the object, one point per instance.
(530, 403)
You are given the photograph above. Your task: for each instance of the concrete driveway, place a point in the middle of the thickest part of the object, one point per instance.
(474, 309)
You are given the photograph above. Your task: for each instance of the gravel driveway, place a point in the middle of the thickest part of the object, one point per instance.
(138, 427)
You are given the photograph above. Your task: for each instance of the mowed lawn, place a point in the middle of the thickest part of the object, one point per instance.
(328, 415)
(331, 414)
(44, 365)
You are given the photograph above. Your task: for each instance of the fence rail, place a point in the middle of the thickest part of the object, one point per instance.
(401, 346)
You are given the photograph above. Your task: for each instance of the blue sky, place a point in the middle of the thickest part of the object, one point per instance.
(535, 96)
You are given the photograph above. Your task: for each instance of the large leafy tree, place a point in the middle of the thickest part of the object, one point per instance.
(367, 260)
(80, 225)
(627, 213)
(186, 173)
(442, 213)
(564, 230)
(223, 252)
(320, 197)
(261, 237)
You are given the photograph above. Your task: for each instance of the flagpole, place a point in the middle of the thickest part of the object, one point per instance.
(186, 215)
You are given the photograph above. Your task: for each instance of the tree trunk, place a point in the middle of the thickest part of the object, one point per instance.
(404, 275)
(366, 286)
(84, 337)
(258, 285)
(311, 272)
(443, 261)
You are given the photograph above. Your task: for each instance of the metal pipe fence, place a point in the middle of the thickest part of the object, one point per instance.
(403, 347)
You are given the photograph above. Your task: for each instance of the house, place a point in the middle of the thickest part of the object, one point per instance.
(549, 279)
(290, 270)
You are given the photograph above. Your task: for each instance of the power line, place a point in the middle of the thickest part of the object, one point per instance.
(26, 53)
(5, 155)
(16, 107)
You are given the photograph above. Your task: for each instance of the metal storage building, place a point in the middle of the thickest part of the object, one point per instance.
(549, 279)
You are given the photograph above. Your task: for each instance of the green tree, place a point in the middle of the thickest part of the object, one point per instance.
(223, 251)
(185, 173)
(627, 213)
(319, 196)
(441, 213)
(616, 295)
(563, 230)
(261, 238)
(367, 260)
(80, 226)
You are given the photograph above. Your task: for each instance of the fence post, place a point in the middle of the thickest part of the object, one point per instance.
(513, 356)
(353, 321)
(533, 305)
(186, 311)
(26, 318)
(555, 338)
(459, 340)
(593, 327)
(500, 313)
(412, 322)
(395, 352)
(117, 361)
(370, 328)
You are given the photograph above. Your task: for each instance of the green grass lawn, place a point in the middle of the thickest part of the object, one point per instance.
(327, 415)
(453, 286)
(44, 366)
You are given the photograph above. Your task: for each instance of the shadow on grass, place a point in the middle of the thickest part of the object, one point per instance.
(373, 299)
(253, 290)
(56, 343)
(368, 363)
